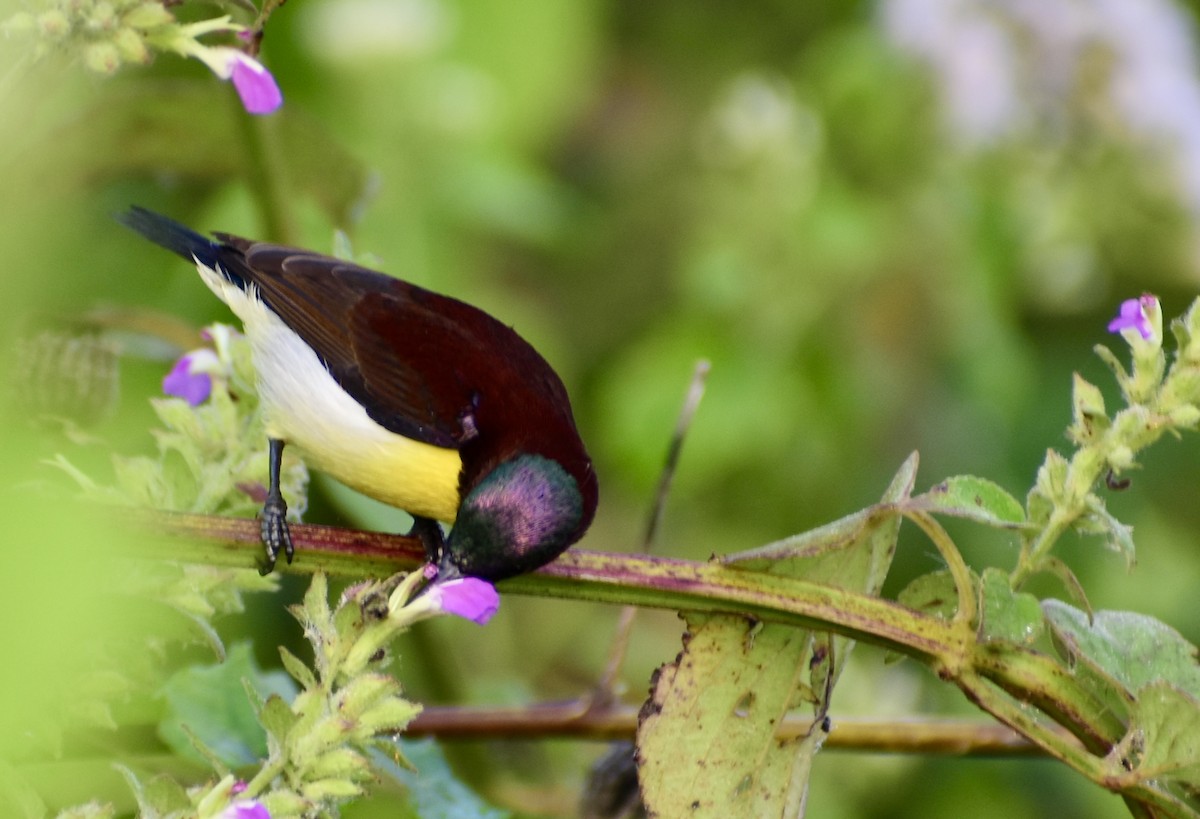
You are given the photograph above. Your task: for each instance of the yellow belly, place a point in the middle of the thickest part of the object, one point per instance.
(416, 477)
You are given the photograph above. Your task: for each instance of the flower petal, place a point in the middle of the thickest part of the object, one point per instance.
(259, 92)
(467, 597)
(246, 810)
(188, 383)
(1133, 315)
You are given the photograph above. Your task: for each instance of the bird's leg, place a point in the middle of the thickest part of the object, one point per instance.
(429, 533)
(275, 534)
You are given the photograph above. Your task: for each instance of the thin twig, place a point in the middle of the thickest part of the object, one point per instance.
(579, 720)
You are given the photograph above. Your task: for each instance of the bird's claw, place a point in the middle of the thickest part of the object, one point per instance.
(275, 533)
(430, 534)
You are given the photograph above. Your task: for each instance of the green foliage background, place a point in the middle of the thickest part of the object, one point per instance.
(633, 187)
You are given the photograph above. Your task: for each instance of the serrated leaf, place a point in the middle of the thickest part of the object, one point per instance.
(1015, 617)
(706, 738)
(977, 499)
(1135, 649)
(211, 702)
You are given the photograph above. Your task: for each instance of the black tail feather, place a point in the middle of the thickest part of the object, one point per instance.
(170, 234)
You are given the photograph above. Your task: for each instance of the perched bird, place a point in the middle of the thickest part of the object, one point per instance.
(410, 397)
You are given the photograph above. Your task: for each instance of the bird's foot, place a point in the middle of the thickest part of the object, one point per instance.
(430, 534)
(274, 531)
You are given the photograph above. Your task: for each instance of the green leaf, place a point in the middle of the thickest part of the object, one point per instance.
(1098, 520)
(210, 756)
(852, 553)
(1166, 726)
(932, 593)
(300, 672)
(1090, 419)
(1007, 615)
(277, 718)
(977, 499)
(1134, 649)
(156, 797)
(1110, 358)
(435, 792)
(706, 740)
(212, 703)
(1062, 571)
(166, 794)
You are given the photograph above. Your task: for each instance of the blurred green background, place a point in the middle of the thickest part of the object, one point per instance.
(890, 226)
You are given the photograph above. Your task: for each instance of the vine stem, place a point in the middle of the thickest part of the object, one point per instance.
(1018, 678)
(654, 582)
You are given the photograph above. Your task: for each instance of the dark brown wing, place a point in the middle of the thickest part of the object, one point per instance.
(401, 378)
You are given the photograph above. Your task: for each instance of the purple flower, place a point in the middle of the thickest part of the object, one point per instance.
(1134, 315)
(259, 92)
(191, 377)
(248, 809)
(467, 597)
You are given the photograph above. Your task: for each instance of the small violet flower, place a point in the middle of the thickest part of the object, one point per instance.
(468, 597)
(259, 92)
(248, 809)
(191, 377)
(1135, 315)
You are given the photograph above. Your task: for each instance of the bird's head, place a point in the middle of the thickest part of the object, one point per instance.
(519, 517)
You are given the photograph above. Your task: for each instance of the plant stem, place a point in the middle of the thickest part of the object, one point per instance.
(581, 719)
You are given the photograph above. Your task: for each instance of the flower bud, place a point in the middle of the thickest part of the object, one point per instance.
(132, 46)
(54, 24)
(103, 58)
